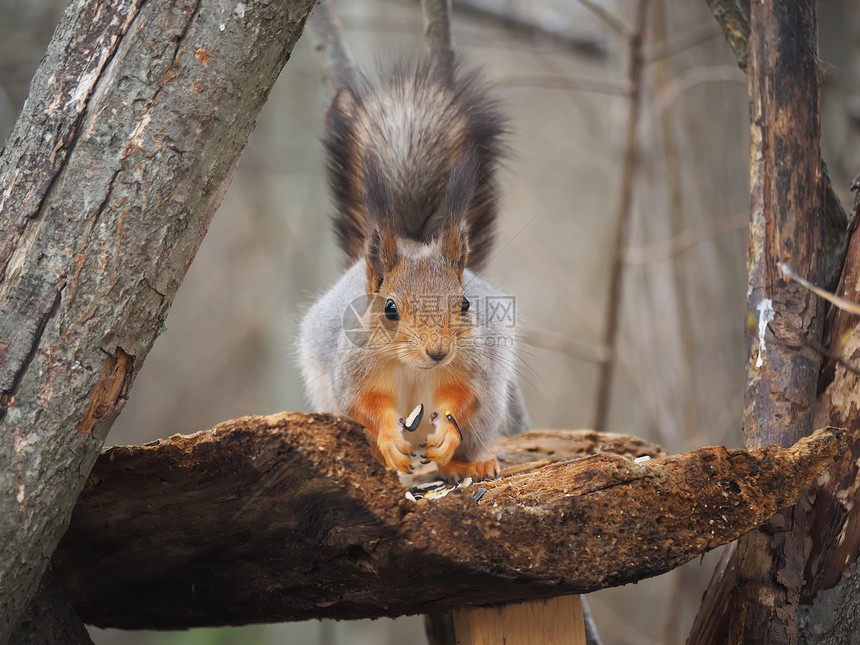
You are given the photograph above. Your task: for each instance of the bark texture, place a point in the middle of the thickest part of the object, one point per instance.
(50, 618)
(786, 561)
(289, 517)
(782, 373)
(834, 515)
(136, 119)
(834, 618)
(734, 18)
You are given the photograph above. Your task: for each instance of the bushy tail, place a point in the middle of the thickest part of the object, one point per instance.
(393, 147)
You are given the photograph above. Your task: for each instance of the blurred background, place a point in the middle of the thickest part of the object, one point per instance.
(563, 73)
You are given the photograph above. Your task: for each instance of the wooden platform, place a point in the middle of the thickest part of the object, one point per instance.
(288, 517)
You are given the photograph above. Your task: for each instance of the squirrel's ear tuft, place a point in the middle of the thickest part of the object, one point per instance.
(461, 186)
(381, 255)
(377, 197)
(454, 239)
(454, 243)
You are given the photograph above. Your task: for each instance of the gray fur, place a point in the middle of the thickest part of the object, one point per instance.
(333, 366)
(411, 162)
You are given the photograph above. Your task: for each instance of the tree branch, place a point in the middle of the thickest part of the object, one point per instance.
(635, 66)
(288, 517)
(437, 30)
(786, 208)
(734, 18)
(50, 618)
(833, 513)
(335, 58)
(791, 197)
(135, 121)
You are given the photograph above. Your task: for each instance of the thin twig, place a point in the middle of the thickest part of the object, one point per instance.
(736, 27)
(692, 77)
(532, 29)
(567, 291)
(614, 22)
(437, 30)
(625, 209)
(686, 357)
(672, 46)
(815, 347)
(684, 241)
(837, 301)
(339, 70)
(560, 81)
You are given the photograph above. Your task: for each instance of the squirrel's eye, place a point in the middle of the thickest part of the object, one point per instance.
(465, 306)
(391, 310)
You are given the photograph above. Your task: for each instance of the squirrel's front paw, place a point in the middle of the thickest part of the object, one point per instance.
(442, 444)
(395, 452)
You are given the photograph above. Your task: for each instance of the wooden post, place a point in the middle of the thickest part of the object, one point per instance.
(555, 621)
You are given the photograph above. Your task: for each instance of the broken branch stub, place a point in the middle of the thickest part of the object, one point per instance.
(288, 517)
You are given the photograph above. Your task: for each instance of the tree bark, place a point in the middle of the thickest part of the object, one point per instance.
(50, 618)
(834, 521)
(733, 17)
(782, 372)
(135, 121)
(834, 618)
(289, 517)
(791, 561)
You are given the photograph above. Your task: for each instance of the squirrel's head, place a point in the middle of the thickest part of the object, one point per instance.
(420, 296)
(418, 288)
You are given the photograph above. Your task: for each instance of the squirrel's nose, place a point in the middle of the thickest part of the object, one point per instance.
(437, 354)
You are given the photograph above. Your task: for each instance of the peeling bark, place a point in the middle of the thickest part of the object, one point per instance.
(796, 218)
(288, 517)
(787, 188)
(834, 516)
(135, 121)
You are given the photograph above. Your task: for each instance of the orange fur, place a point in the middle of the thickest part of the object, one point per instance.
(455, 248)
(458, 399)
(457, 469)
(376, 410)
(411, 161)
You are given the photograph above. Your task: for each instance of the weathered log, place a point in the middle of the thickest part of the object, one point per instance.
(135, 121)
(288, 517)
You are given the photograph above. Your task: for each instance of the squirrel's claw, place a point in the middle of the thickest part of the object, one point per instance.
(395, 452)
(442, 444)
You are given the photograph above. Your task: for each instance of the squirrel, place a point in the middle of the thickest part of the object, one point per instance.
(411, 163)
